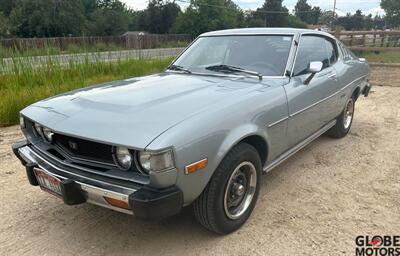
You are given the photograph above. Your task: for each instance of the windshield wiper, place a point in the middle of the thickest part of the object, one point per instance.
(179, 68)
(223, 67)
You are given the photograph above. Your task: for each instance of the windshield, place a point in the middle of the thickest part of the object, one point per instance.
(263, 54)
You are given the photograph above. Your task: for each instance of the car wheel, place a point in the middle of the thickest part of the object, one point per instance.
(343, 121)
(231, 194)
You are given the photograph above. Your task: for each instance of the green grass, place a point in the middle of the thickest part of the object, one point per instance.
(26, 85)
(383, 57)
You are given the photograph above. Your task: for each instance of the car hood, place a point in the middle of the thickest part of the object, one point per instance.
(134, 112)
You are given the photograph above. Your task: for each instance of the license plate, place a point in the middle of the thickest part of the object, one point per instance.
(48, 183)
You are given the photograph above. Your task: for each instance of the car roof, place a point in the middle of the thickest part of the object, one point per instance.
(264, 31)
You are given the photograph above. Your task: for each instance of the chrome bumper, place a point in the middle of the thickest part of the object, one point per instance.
(94, 191)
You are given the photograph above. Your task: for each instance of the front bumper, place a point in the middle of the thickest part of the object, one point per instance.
(142, 201)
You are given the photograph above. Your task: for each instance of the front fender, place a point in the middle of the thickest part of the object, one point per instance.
(237, 135)
(214, 146)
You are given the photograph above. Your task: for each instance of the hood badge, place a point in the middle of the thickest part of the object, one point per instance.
(73, 145)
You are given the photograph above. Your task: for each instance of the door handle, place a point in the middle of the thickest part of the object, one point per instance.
(333, 75)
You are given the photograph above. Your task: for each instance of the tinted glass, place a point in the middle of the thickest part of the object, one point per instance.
(265, 54)
(311, 48)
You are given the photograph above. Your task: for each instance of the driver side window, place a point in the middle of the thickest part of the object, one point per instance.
(311, 48)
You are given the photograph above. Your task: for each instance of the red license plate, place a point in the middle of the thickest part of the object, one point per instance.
(48, 183)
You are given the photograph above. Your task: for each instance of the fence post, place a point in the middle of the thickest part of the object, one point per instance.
(374, 40)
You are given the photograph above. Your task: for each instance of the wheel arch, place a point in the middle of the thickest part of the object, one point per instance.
(250, 134)
(356, 92)
(260, 144)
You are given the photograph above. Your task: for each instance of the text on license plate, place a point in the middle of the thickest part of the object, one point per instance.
(48, 183)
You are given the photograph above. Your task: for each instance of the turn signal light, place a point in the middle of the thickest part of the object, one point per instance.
(117, 203)
(196, 166)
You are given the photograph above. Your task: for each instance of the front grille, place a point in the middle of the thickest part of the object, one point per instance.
(85, 149)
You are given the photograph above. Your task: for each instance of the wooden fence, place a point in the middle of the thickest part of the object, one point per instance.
(370, 40)
(135, 41)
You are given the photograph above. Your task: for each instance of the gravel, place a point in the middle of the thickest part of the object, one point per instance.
(315, 203)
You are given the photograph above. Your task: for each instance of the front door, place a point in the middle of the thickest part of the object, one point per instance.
(312, 105)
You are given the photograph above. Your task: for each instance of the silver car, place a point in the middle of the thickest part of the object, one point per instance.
(231, 107)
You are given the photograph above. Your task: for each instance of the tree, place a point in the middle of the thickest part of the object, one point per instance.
(379, 22)
(4, 26)
(295, 22)
(315, 15)
(273, 14)
(109, 18)
(302, 11)
(6, 6)
(328, 18)
(159, 16)
(207, 15)
(392, 9)
(47, 18)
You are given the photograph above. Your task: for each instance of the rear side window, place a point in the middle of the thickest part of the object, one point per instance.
(314, 48)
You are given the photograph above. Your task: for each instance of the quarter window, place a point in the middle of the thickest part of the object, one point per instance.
(331, 50)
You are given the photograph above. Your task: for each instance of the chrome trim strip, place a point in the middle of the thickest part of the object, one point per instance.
(277, 122)
(298, 147)
(292, 44)
(314, 104)
(326, 98)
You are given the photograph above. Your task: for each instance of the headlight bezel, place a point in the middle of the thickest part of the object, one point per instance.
(38, 129)
(22, 123)
(45, 135)
(147, 155)
(118, 161)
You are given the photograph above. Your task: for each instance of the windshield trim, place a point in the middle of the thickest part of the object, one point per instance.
(293, 35)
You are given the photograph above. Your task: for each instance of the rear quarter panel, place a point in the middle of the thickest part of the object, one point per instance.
(351, 74)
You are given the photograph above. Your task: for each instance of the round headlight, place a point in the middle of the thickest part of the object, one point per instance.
(48, 134)
(38, 129)
(124, 157)
(22, 122)
(144, 159)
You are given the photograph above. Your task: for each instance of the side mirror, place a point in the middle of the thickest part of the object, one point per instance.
(314, 67)
(362, 59)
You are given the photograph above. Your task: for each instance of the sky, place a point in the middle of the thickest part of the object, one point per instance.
(343, 6)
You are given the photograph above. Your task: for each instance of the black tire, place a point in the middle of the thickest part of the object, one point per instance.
(210, 208)
(343, 125)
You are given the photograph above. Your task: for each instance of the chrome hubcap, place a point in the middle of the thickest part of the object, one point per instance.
(240, 190)
(348, 114)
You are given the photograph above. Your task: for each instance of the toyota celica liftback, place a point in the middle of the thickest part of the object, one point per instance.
(231, 107)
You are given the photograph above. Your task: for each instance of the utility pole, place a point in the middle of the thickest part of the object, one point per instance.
(333, 13)
(334, 9)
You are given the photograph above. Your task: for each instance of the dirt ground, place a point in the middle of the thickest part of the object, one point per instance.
(315, 203)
